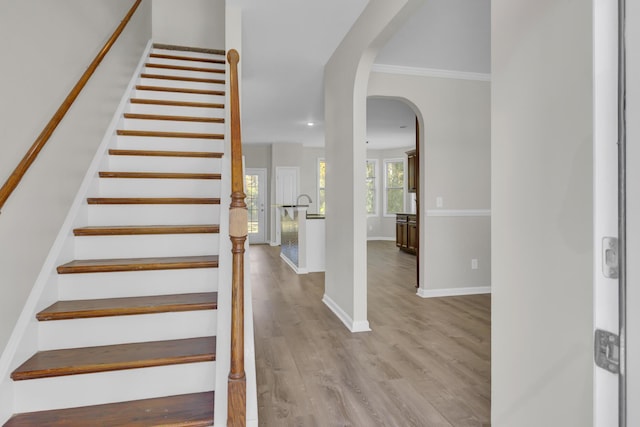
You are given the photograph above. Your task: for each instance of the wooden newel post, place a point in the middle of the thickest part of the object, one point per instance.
(238, 235)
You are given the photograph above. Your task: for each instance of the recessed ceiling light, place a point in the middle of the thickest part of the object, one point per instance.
(310, 124)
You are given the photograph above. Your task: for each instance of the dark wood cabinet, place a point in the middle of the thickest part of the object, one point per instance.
(407, 233)
(401, 232)
(412, 171)
(412, 235)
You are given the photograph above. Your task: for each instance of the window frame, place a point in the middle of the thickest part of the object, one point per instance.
(376, 187)
(385, 206)
(320, 189)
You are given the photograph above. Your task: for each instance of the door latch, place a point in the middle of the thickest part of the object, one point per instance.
(607, 351)
(610, 257)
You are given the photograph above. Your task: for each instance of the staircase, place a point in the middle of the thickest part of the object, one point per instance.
(131, 340)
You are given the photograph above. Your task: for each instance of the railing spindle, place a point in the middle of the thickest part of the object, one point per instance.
(238, 234)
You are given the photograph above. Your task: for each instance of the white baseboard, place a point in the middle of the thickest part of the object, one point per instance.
(458, 212)
(386, 239)
(357, 326)
(451, 292)
(273, 244)
(295, 268)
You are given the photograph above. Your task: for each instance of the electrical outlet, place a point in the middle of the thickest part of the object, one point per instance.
(439, 203)
(474, 264)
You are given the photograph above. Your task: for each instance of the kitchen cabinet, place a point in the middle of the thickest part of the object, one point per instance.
(407, 233)
(412, 171)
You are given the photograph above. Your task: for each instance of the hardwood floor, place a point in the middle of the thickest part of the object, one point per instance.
(426, 363)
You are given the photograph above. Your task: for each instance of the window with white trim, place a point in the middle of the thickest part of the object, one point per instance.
(393, 186)
(372, 187)
(322, 169)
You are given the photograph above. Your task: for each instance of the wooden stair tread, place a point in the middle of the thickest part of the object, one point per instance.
(173, 118)
(182, 78)
(138, 264)
(187, 58)
(83, 309)
(159, 175)
(180, 90)
(158, 153)
(159, 134)
(175, 103)
(54, 363)
(183, 68)
(187, 410)
(153, 201)
(132, 230)
(189, 49)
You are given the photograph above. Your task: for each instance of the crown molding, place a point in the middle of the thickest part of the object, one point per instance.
(430, 72)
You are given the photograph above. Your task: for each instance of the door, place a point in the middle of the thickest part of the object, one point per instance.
(255, 188)
(609, 383)
(286, 192)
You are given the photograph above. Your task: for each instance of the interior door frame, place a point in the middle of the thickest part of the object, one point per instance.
(609, 305)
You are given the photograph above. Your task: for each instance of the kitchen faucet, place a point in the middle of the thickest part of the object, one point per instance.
(304, 195)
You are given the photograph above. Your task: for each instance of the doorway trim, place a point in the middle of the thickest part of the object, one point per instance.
(261, 236)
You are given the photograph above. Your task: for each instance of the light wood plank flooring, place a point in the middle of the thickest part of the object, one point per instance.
(426, 362)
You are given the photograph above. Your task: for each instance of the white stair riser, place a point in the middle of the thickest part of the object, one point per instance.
(173, 126)
(76, 333)
(171, 110)
(163, 164)
(169, 144)
(179, 96)
(167, 245)
(158, 187)
(183, 63)
(116, 386)
(182, 73)
(190, 54)
(122, 284)
(149, 81)
(153, 214)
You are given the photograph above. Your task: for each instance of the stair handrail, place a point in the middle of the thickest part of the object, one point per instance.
(238, 229)
(18, 173)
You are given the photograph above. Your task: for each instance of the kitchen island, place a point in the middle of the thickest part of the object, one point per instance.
(302, 244)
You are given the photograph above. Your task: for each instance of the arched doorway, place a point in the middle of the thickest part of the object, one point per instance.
(393, 202)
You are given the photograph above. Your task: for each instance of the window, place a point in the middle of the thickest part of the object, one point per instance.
(251, 190)
(393, 186)
(372, 191)
(322, 168)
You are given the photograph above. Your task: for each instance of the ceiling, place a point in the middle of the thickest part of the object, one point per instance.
(286, 44)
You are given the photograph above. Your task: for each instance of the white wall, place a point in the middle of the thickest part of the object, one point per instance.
(455, 164)
(47, 46)
(542, 303)
(194, 23)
